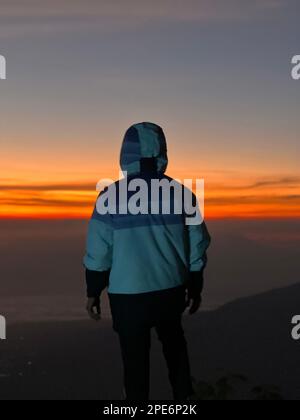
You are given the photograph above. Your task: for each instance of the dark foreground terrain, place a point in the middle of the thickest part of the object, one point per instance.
(80, 359)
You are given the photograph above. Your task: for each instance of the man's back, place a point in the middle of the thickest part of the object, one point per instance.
(142, 236)
(142, 247)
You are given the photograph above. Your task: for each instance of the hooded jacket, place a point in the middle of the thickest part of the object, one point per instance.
(140, 253)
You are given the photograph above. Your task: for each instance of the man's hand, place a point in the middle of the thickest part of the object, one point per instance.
(194, 303)
(93, 308)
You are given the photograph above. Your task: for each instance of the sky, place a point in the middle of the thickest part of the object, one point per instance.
(215, 75)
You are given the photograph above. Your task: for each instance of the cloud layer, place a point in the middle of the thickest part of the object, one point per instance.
(18, 17)
(269, 197)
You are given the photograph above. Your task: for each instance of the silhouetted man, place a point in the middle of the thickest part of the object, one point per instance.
(152, 263)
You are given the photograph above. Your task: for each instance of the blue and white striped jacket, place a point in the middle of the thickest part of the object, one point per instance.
(144, 252)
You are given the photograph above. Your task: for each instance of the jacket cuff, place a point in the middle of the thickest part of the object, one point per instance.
(96, 282)
(196, 282)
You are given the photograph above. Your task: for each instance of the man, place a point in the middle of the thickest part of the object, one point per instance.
(152, 264)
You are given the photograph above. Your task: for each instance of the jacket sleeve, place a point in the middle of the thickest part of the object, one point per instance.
(98, 257)
(199, 241)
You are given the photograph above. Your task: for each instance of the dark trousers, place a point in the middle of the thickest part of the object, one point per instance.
(134, 316)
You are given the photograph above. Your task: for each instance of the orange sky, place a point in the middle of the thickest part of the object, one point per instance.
(60, 181)
(72, 195)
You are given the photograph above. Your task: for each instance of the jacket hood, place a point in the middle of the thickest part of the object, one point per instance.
(141, 141)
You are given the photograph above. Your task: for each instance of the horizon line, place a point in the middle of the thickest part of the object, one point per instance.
(87, 218)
